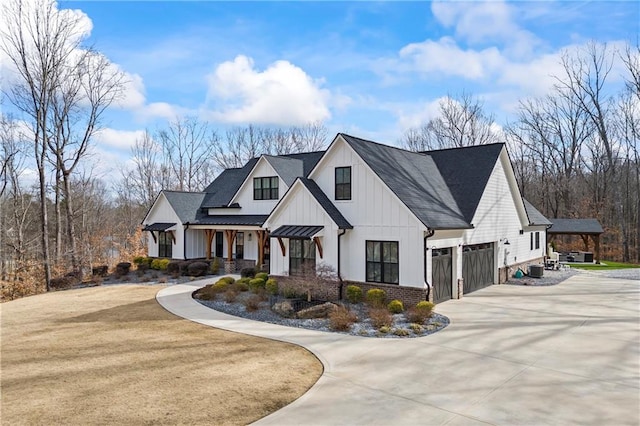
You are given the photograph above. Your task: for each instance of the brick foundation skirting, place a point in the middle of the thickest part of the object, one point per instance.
(330, 290)
(506, 272)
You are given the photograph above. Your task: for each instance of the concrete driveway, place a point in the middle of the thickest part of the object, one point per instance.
(512, 355)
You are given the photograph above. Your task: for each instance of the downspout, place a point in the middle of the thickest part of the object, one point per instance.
(184, 241)
(344, 231)
(430, 233)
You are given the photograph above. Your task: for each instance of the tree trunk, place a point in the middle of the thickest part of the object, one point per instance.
(71, 232)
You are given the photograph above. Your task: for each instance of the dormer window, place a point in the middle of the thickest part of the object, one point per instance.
(265, 188)
(343, 183)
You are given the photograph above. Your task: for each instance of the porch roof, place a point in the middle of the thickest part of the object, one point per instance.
(158, 226)
(239, 219)
(296, 231)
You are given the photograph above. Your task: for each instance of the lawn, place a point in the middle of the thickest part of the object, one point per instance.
(605, 265)
(112, 355)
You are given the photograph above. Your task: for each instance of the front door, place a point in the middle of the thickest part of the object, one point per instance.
(219, 244)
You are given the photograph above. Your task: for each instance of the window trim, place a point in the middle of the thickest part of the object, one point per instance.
(303, 259)
(165, 244)
(261, 192)
(341, 186)
(381, 262)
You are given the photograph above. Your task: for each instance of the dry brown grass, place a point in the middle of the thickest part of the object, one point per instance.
(112, 355)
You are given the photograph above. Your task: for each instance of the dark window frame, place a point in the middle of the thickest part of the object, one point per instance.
(382, 270)
(537, 240)
(240, 245)
(342, 183)
(307, 255)
(165, 244)
(266, 188)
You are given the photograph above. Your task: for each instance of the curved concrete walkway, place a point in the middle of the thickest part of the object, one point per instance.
(512, 355)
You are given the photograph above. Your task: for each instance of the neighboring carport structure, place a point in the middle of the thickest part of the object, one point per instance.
(584, 227)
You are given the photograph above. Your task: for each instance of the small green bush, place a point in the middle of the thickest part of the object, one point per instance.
(416, 328)
(262, 275)
(354, 294)
(395, 307)
(198, 269)
(160, 264)
(401, 332)
(271, 286)
(215, 266)
(240, 286)
(220, 286)
(380, 317)
(341, 319)
(173, 266)
(257, 284)
(138, 260)
(375, 297)
(229, 280)
(384, 329)
(420, 313)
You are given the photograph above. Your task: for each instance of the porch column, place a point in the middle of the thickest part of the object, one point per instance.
(263, 239)
(209, 234)
(596, 242)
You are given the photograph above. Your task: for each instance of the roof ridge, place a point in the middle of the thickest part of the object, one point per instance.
(458, 148)
(183, 192)
(383, 145)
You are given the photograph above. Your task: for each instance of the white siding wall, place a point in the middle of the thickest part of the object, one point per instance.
(163, 212)
(302, 209)
(375, 213)
(196, 243)
(245, 195)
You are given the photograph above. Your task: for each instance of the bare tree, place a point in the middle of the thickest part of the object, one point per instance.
(461, 122)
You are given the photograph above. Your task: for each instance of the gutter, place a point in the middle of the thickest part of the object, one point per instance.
(430, 233)
(344, 231)
(184, 241)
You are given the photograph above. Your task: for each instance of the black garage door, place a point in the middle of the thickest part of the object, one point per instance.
(441, 274)
(477, 266)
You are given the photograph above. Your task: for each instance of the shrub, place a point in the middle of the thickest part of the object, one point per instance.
(252, 303)
(160, 264)
(229, 280)
(401, 332)
(257, 284)
(384, 329)
(420, 313)
(248, 272)
(138, 260)
(375, 297)
(262, 275)
(416, 328)
(99, 271)
(271, 286)
(220, 286)
(395, 307)
(198, 269)
(354, 294)
(240, 286)
(380, 317)
(184, 267)
(215, 266)
(341, 319)
(123, 268)
(173, 266)
(230, 296)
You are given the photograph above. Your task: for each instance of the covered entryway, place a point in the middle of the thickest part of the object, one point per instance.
(441, 267)
(477, 266)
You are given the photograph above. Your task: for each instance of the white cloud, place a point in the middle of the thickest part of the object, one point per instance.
(282, 94)
(415, 115)
(118, 139)
(444, 56)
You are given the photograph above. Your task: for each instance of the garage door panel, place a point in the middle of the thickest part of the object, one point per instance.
(441, 274)
(477, 267)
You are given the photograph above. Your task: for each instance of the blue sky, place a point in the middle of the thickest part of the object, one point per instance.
(371, 69)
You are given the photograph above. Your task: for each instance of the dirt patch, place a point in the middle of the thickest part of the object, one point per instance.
(112, 355)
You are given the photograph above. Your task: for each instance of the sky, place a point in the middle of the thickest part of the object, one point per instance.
(370, 69)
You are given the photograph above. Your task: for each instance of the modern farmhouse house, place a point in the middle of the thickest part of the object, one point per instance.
(441, 223)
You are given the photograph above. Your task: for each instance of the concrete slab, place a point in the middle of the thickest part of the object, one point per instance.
(564, 354)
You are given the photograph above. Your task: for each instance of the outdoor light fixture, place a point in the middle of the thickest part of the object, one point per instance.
(505, 241)
(249, 236)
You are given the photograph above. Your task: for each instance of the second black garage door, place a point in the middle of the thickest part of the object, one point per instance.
(477, 266)
(441, 274)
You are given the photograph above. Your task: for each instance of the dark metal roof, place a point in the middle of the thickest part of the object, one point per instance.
(575, 226)
(535, 217)
(326, 204)
(158, 226)
(416, 180)
(240, 219)
(296, 231)
(466, 172)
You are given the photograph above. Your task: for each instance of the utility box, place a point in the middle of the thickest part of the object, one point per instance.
(536, 271)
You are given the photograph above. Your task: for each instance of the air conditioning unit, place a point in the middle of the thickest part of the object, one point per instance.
(536, 271)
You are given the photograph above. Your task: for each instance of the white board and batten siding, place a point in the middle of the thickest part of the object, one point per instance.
(244, 197)
(302, 209)
(376, 214)
(163, 212)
